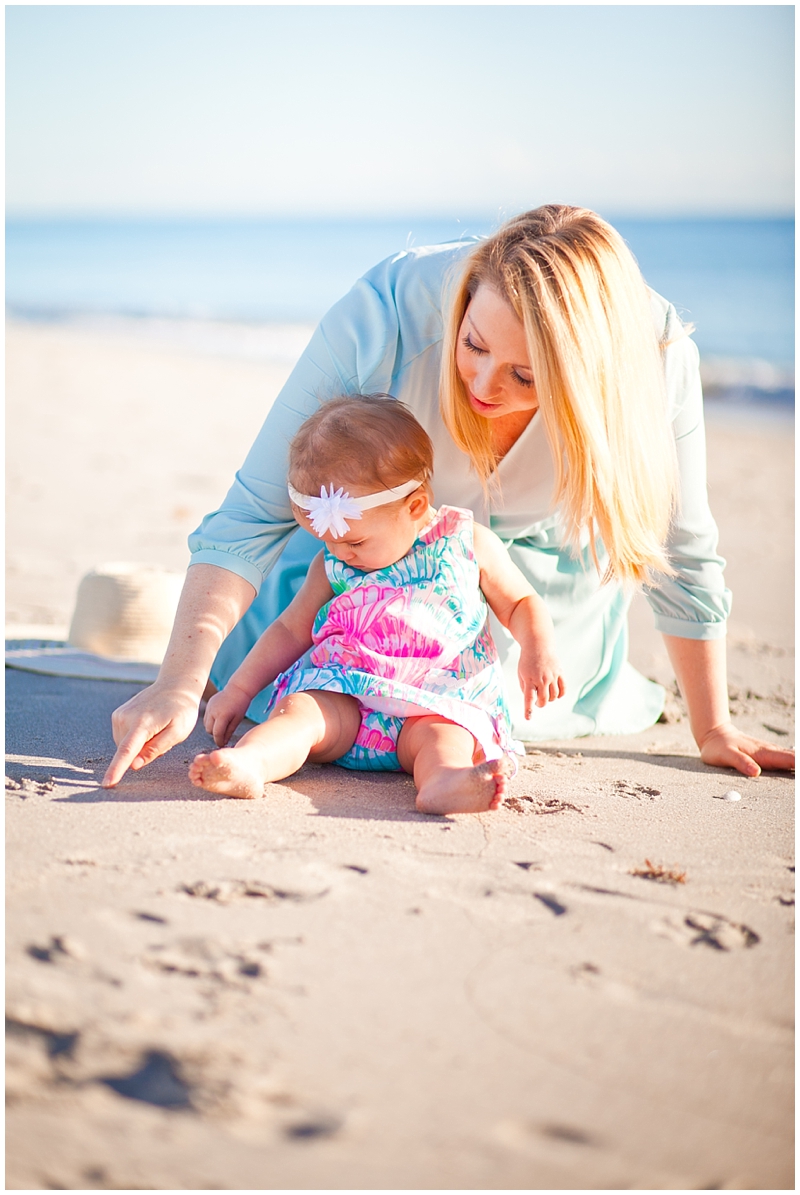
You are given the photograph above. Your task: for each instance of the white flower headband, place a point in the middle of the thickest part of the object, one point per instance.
(332, 510)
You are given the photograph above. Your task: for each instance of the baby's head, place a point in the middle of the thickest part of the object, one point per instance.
(367, 446)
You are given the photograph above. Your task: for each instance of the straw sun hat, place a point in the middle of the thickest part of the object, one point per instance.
(119, 630)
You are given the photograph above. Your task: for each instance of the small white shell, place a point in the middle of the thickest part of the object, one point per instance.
(731, 795)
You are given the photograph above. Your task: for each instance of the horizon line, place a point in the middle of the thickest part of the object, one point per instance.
(38, 215)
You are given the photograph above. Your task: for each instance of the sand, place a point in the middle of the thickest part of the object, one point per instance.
(325, 989)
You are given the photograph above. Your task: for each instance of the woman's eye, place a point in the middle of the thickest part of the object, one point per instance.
(522, 381)
(473, 348)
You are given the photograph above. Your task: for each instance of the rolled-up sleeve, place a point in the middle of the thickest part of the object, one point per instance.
(352, 350)
(694, 603)
(365, 344)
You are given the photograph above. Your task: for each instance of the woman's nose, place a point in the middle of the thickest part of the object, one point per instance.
(484, 381)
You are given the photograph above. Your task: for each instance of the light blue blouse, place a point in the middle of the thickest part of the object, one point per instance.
(385, 336)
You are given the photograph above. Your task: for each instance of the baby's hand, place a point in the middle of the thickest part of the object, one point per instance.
(224, 712)
(540, 677)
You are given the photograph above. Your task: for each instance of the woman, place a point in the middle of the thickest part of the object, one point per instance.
(570, 422)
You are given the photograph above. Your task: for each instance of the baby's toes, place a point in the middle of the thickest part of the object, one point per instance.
(197, 767)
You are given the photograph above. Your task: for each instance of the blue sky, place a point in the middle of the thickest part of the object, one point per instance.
(372, 109)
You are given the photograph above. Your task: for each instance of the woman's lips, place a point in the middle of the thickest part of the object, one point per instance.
(481, 407)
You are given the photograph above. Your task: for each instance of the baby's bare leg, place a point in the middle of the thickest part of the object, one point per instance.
(440, 756)
(313, 725)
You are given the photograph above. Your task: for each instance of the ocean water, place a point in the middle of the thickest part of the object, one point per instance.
(732, 278)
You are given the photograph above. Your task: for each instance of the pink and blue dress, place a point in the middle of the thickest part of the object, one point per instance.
(407, 640)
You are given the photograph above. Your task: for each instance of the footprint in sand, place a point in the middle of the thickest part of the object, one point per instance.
(550, 902)
(26, 787)
(156, 1081)
(57, 1045)
(40, 1052)
(64, 951)
(708, 929)
(623, 788)
(540, 805)
(226, 891)
(59, 947)
(313, 1130)
(526, 1136)
(201, 958)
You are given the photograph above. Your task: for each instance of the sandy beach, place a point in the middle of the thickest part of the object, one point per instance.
(590, 988)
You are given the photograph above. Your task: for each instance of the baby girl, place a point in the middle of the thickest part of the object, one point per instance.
(384, 659)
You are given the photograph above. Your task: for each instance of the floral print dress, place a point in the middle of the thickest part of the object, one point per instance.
(407, 640)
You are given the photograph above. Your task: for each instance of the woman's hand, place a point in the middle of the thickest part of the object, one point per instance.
(225, 711)
(702, 677)
(727, 747)
(212, 602)
(149, 725)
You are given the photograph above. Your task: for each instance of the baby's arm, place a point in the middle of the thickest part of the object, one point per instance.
(521, 611)
(284, 641)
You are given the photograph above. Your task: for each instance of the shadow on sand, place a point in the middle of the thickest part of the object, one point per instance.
(58, 737)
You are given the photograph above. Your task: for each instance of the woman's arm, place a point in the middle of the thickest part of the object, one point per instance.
(692, 606)
(212, 602)
(700, 667)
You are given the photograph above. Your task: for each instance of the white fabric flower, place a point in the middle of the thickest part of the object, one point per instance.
(331, 511)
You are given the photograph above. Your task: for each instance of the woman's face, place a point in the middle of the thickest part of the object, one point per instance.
(492, 357)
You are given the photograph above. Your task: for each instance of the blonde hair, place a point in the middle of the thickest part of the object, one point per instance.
(367, 439)
(598, 376)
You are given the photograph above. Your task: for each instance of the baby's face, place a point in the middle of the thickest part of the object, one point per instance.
(381, 537)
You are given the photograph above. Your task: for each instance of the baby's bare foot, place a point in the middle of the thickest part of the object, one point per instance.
(230, 771)
(467, 790)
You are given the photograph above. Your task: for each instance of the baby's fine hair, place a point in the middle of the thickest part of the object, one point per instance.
(362, 439)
